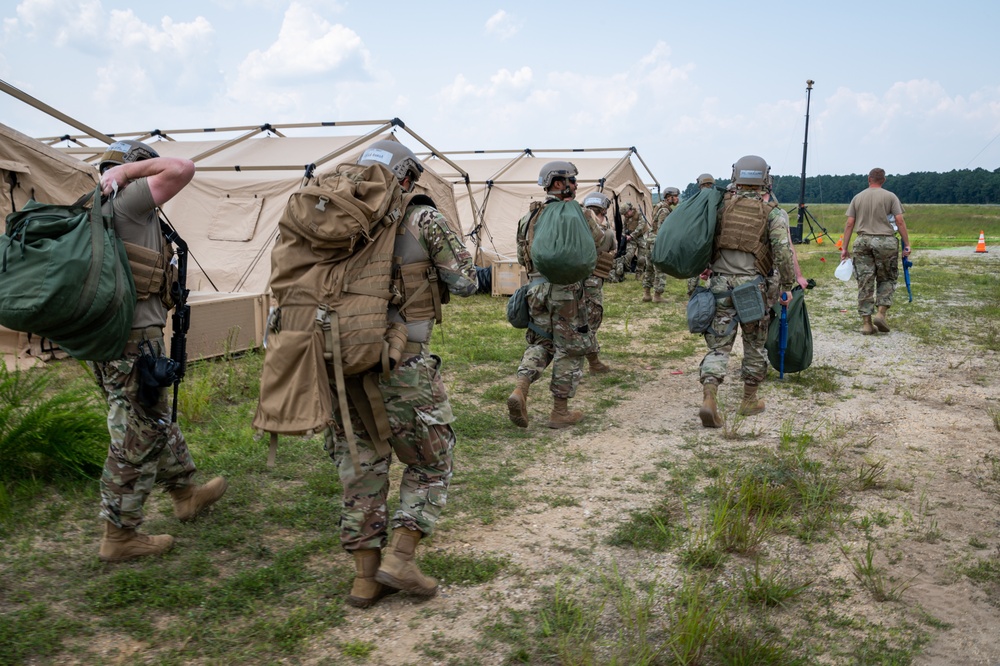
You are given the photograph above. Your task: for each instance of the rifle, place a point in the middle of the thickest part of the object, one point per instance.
(181, 319)
(782, 341)
(906, 275)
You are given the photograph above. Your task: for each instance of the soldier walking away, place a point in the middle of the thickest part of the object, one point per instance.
(596, 207)
(635, 226)
(876, 251)
(653, 278)
(147, 447)
(752, 239)
(416, 404)
(559, 332)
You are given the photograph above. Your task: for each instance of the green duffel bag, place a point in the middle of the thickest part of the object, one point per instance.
(683, 247)
(562, 247)
(64, 275)
(799, 346)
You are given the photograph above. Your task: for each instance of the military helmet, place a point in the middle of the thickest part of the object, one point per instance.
(597, 200)
(125, 151)
(705, 179)
(394, 156)
(554, 170)
(671, 192)
(751, 170)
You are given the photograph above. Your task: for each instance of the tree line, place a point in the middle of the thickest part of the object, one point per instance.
(961, 186)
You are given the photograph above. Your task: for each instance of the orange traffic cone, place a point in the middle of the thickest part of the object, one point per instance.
(840, 242)
(981, 246)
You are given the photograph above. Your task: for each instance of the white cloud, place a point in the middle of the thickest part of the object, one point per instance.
(309, 49)
(502, 25)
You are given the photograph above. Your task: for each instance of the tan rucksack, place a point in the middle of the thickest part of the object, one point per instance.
(332, 281)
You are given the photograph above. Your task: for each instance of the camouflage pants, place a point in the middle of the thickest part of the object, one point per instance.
(146, 447)
(559, 311)
(651, 277)
(593, 291)
(875, 263)
(714, 365)
(623, 264)
(422, 439)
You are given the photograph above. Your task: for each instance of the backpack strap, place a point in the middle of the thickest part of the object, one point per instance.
(363, 392)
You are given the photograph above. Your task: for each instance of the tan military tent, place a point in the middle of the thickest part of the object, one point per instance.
(504, 183)
(229, 213)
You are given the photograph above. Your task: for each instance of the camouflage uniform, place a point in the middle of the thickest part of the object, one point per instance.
(418, 409)
(146, 447)
(876, 250)
(593, 286)
(652, 278)
(723, 281)
(876, 266)
(633, 233)
(560, 311)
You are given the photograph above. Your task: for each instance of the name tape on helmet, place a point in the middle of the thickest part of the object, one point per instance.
(594, 201)
(752, 173)
(119, 146)
(377, 155)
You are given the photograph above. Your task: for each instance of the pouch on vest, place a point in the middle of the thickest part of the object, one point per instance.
(64, 276)
(799, 347)
(683, 247)
(749, 301)
(562, 247)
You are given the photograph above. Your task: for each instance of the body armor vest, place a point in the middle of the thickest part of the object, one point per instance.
(415, 279)
(744, 227)
(153, 271)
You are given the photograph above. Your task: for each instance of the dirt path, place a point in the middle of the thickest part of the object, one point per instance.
(926, 412)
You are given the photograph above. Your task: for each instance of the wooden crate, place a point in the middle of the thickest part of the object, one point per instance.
(223, 323)
(507, 277)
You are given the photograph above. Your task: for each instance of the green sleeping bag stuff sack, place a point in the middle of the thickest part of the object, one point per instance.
(562, 247)
(683, 247)
(799, 349)
(64, 275)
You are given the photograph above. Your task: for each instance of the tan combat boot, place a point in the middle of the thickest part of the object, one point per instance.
(189, 501)
(646, 296)
(879, 319)
(709, 411)
(561, 416)
(866, 325)
(398, 570)
(658, 297)
(596, 367)
(366, 590)
(517, 403)
(120, 544)
(750, 405)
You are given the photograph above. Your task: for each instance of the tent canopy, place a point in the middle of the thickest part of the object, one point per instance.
(503, 184)
(32, 170)
(229, 213)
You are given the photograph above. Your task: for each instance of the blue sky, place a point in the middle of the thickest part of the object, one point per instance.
(908, 86)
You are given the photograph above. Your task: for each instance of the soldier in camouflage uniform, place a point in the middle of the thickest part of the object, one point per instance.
(596, 209)
(147, 447)
(652, 278)
(635, 226)
(752, 239)
(418, 410)
(559, 332)
(876, 251)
